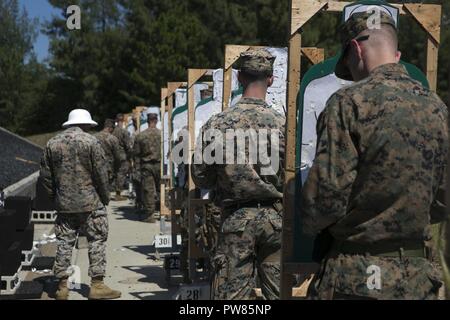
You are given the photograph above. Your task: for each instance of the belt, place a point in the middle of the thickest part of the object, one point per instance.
(417, 250)
(274, 257)
(251, 204)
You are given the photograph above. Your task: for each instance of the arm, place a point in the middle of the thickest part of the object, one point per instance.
(137, 155)
(100, 172)
(438, 210)
(128, 145)
(46, 174)
(118, 154)
(326, 191)
(204, 175)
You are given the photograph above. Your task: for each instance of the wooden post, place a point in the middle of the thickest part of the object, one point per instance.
(287, 249)
(163, 208)
(194, 251)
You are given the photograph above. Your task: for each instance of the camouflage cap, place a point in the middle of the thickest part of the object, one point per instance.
(256, 62)
(109, 123)
(350, 30)
(152, 117)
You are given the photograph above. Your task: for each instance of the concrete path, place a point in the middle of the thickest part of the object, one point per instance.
(132, 266)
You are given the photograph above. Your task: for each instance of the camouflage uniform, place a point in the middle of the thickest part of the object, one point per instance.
(249, 241)
(125, 144)
(377, 182)
(113, 152)
(75, 176)
(147, 161)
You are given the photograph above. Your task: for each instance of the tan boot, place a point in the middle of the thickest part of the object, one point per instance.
(100, 291)
(149, 219)
(63, 291)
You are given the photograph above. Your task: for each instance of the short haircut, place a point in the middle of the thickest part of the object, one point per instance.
(386, 36)
(152, 117)
(119, 117)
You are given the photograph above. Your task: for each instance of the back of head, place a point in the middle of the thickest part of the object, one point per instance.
(152, 119)
(119, 117)
(109, 124)
(369, 39)
(256, 68)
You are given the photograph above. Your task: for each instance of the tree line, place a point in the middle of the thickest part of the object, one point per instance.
(127, 50)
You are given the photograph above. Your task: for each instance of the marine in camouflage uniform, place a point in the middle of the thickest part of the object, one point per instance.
(75, 176)
(377, 181)
(111, 146)
(125, 143)
(249, 244)
(147, 162)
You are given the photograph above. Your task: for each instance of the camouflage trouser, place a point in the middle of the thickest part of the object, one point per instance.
(248, 239)
(95, 226)
(150, 183)
(121, 175)
(358, 277)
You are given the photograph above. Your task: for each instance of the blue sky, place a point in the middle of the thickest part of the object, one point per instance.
(43, 10)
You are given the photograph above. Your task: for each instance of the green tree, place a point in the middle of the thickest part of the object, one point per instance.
(17, 65)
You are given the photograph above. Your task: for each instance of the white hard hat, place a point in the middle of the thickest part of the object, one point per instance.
(79, 116)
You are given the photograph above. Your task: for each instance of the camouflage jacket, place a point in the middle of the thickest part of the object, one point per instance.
(379, 172)
(113, 152)
(236, 182)
(147, 148)
(74, 172)
(124, 139)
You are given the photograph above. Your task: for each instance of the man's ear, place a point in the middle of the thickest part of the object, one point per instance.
(398, 56)
(240, 78)
(355, 49)
(270, 81)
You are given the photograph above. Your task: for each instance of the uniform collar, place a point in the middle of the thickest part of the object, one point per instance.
(389, 69)
(74, 129)
(256, 101)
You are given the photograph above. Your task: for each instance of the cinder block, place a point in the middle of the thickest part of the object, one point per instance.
(7, 229)
(42, 201)
(10, 260)
(26, 238)
(22, 208)
(29, 290)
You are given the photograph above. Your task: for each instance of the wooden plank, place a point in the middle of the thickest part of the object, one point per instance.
(304, 10)
(428, 16)
(227, 83)
(314, 55)
(294, 71)
(432, 63)
(164, 210)
(194, 252)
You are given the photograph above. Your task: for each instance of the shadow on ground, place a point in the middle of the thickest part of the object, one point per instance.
(128, 213)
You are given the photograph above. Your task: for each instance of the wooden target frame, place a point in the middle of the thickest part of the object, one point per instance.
(428, 16)
(164, 209)
(193, 203)
(232, 53)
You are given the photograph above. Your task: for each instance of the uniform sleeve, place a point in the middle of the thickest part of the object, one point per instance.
(438, 211)
(127, 143)
(46, 174)
(100, 172)
(204, 175)
(328, 186)
(118, 154)
(137, 154)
